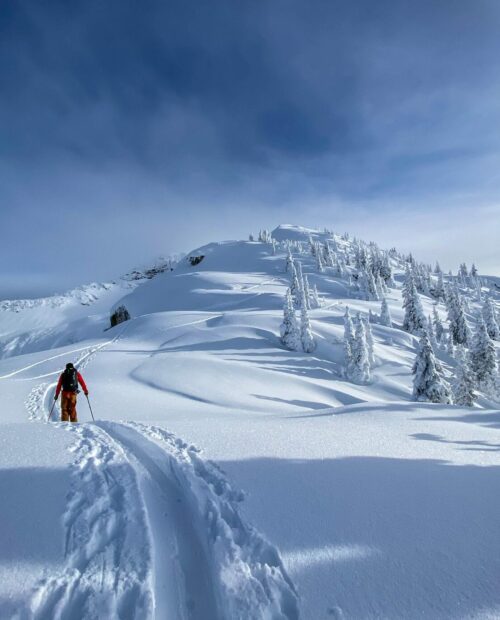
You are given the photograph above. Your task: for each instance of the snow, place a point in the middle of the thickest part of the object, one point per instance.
(356, 502)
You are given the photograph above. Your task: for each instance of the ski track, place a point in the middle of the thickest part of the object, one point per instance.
(108, 568)
(227, 570)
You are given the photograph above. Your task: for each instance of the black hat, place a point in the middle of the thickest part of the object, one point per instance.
(69, 365)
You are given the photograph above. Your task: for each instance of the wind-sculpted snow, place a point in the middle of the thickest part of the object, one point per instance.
(85, 295)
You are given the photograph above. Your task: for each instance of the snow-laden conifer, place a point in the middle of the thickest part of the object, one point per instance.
(428, 381)
(360, 371)
(289, 329)
(464, 381)
(315, 298)
(490, 319)
(295, 286)
(414, 319)
(438, 289)
(459, 327)
(348, 342)
(306, 335)
(437, 324)
(307, 291)
(369, 284)
(483, 356)
(385, 314)
(369, 342)
(289, 261)
(319, 261)
(431, 333)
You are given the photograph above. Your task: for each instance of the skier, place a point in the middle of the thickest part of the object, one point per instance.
(68, 382)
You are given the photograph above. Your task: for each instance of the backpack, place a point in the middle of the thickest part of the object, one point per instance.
(70, 380)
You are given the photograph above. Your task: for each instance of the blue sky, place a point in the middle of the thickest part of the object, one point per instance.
(130, 129)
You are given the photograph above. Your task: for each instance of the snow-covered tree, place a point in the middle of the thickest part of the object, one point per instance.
(307, 292)
(319, 261)
(369, 284)
(360, 371)
(306, 335)
(329, 256)
(289, 329)
(431, 333)
(370, 343)
(414, 319)
(289, 261)
(490, 319)
(386, 271)
(315, 298)
(483, 356)
(295, 286)
(464, 382)
(428, 381)
(438, 325)
(385, 314)
(438, 289)
(459, 327)
(348, 342)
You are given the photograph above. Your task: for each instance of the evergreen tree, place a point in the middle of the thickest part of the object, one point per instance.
(369, 284)
(289, 261)
(438, 290)
(386, 272)
(464, 384)
(295, 287)
(385, 314)
(319, 260)
(490, 319)
(369, 342)
(432, 335)
(316, 300)
(360, 371)
(414, 319)
(483, 356)
(459, 328)
(289, 329)
(306, 335)
(348, 342)
(438, 325)
(428, 381)
(307, 292)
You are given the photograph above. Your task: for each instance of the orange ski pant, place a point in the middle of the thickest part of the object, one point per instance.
(68, 407)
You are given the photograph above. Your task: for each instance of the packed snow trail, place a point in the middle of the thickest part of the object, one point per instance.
(153, 531)
(108, 550)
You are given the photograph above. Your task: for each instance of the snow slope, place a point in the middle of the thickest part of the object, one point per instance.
(362, 504)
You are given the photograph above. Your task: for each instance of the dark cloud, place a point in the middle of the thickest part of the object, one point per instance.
(111, 109)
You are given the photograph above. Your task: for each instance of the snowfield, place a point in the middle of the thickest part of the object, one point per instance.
(226, 477)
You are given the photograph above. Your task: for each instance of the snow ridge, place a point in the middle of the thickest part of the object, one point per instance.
(250, 576)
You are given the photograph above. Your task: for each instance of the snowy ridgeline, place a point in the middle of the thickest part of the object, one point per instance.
(28, 325)
(469, 301)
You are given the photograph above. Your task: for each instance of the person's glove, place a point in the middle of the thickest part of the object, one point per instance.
(55, 397)
(86, 393)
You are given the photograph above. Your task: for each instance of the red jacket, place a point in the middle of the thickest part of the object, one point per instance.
(80, 381)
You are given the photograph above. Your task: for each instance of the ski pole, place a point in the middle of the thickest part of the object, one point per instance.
(86, 395)
(51, 410)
